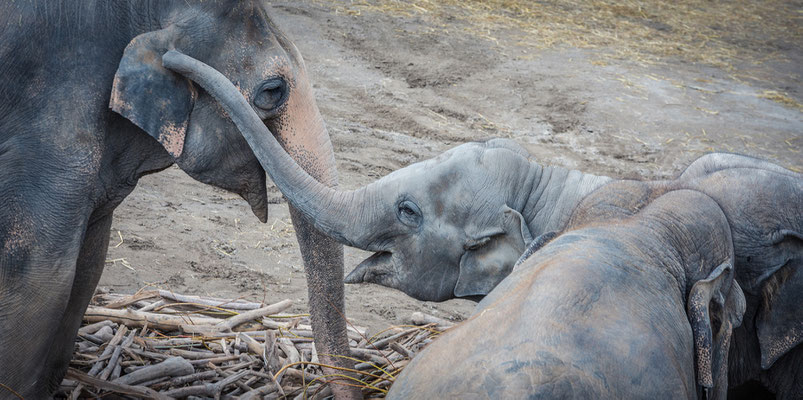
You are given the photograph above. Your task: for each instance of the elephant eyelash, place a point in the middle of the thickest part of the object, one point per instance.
(472, 245)
(409, 213)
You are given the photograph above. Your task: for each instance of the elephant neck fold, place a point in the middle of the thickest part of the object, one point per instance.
(553, 194)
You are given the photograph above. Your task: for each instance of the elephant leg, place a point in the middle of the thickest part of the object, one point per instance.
(35, 286)
(89, 268)
(323, 259)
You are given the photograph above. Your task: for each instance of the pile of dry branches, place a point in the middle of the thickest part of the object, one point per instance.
(158, 344)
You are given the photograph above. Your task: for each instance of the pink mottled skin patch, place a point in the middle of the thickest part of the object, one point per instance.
(301, 129)
(171, 137)
(116, 103)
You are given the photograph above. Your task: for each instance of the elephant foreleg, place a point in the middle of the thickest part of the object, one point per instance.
(324, 260)
(35, 286)
(89, 268)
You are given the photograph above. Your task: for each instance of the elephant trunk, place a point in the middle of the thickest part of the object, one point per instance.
(313, 203)
(335, 213)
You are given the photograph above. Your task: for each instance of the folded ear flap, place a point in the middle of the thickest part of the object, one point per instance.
(489, 260)
(715, 306)
(536, 245)
(779, 320)
(152, 97)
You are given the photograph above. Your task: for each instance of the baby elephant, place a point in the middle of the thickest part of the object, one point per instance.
(638, 306)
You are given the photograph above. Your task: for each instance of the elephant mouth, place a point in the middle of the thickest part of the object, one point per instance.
(375, 268)
(257, 198)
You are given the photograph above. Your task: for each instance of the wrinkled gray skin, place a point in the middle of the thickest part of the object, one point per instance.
(452, 226)
(86, 109)
(455, 225)
(639, 305)
(764, 207)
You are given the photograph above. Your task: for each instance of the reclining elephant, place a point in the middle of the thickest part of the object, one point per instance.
(764, 207)
(455, 225)
(66, 160)
(640, 305)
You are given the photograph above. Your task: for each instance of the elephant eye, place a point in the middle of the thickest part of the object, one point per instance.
(271, 95)
(409, 213)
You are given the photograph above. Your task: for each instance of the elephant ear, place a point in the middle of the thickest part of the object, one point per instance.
(779, 320)
(483, 267)
(535, 245)
(714, 308)
(152, 97)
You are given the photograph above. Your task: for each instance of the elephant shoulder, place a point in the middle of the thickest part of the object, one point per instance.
(616, 199)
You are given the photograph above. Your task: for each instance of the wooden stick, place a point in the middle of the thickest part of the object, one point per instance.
(108, 350)
(181, 380)
(148, 294)
(231, 379)
(139, 319)
(115, 387)
(222, 303)
(227, 374)
(105, 334)
(152, 382)
(91, 338)
(420, 318)
(260, 391)
(270, 356)
(375, 357)
(216, 360)
(400, 349)
(252, 344)
(116, 356)
(92, 328)
(152, 306)
(384, 342)
(192, 355)
(230, 323)
(204, 389)
(289, 350)
(173, 366)
(301, 375)
(148, 354)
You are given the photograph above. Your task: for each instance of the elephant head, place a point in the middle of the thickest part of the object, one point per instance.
(243, 43)
(446, 227)
(238, 39)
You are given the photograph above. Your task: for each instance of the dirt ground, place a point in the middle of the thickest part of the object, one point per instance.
(400, 84)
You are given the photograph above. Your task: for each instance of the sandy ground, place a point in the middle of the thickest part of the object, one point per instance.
(396, 89)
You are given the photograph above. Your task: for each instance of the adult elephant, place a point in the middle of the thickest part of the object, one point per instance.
(67, 160)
